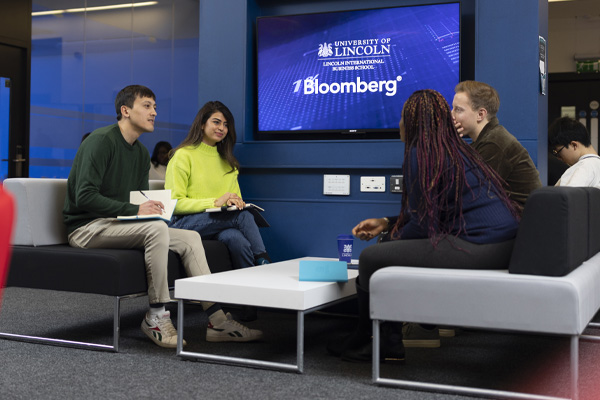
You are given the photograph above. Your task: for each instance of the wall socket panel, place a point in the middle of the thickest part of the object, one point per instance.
(372, 183)
(337, 185)
(396, 183)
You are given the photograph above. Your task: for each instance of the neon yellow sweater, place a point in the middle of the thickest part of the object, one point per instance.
(197, 176)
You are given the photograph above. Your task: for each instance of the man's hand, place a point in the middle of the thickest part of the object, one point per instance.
(151, 207)
(370, 228)
(459, 128)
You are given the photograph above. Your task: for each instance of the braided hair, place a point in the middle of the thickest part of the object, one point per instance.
(442, 158)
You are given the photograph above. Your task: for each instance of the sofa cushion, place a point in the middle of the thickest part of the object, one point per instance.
(39, 220)
(552, 239)
(489, 299)
(113, 272)
(156, 184)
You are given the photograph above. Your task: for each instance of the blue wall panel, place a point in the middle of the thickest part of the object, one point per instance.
(80, 61)
(286, 177)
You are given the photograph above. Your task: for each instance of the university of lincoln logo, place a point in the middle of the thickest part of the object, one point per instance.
(325, 50)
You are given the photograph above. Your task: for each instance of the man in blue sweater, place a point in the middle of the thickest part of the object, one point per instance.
(110, 164)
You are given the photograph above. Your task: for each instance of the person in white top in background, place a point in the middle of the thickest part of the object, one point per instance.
(159, 160)
(570, 141)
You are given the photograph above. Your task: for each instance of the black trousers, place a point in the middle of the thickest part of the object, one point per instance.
(450, 252)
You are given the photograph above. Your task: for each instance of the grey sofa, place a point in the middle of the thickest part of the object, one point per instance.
(551, 287)
(42, 259)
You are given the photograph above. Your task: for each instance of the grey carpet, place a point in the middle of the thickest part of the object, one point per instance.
(494, 360)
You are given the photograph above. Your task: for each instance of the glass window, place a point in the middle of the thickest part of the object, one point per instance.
(85, 51)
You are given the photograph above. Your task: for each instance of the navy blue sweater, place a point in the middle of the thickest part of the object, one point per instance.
(486, 217)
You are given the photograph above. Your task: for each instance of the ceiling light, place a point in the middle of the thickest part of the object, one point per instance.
(99, 8)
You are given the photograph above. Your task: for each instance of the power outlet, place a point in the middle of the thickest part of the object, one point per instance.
(372, 183)
(396, 183)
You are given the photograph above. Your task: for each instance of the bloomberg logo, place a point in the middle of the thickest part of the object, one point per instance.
(312, 86)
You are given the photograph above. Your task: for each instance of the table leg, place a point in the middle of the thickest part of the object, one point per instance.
(246, 362)
(179, 326)
(300, 342)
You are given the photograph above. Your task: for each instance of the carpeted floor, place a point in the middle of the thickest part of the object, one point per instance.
(494, 360)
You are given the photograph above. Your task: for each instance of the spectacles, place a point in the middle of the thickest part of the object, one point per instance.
(555, 152)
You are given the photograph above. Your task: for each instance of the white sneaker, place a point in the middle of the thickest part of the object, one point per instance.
(231, 331)
(160, 329)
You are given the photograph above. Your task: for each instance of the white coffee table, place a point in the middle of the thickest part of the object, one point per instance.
(273, 285)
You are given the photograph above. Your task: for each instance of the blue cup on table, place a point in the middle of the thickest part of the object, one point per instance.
(345, 244)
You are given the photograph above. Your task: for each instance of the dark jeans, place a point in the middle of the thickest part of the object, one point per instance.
(236, 229)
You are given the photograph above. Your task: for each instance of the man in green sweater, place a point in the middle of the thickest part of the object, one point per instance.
(474, 111)
(110, 164)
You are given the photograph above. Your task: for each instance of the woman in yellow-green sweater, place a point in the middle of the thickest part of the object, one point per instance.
(203, 173)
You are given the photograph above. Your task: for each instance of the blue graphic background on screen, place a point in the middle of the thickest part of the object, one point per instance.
(423, 53)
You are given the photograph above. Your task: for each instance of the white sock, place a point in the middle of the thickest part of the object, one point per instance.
(157, 311)
(217, 318)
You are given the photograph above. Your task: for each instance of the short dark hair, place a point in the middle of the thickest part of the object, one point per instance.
(565, 130)
(127, 96)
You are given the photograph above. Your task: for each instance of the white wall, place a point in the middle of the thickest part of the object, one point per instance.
(574, 29)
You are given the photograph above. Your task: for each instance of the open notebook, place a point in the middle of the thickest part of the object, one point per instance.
(142, 196)
(255, 210)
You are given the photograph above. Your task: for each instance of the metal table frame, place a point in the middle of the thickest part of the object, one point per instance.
(248, 362)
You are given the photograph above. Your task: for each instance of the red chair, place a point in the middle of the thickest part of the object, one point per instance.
(7, 212)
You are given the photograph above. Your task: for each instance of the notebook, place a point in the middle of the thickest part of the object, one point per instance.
(255, 210)
(139, 197)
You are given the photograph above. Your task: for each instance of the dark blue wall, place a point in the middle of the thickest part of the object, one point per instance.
(287, 177)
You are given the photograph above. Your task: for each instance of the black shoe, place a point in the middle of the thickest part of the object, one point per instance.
(248, 313)
(391, 346)
(336, 345)
(356, 347)
(360, 353)
(364, 354)
(359, 347)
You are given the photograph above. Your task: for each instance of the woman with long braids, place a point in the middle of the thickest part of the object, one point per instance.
(203, 173)
(455, 214)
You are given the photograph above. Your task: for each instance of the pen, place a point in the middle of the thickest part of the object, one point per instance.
(144, 194)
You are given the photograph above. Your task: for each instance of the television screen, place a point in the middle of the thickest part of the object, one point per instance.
(347, 74)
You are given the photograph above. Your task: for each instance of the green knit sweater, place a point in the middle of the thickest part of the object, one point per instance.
(197, 176)
(106, 168)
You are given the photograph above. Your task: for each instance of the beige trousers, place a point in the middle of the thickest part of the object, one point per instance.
(156, 238)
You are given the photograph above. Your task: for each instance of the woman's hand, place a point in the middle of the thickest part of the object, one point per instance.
(230, 199)
(370, 228)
